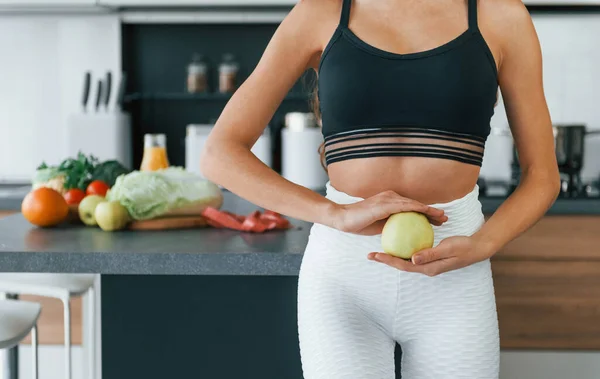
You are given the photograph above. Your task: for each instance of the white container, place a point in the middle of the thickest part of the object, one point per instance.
(106, 136)
(262, 149)
(497, 159)
(300, 160)
(195, 141)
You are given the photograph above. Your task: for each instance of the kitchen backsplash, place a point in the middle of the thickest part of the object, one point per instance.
(45, 56)
(41, 75)
(571, 81)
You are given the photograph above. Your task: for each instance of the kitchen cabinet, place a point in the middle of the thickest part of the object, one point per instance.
(176, 3)
(548, 285)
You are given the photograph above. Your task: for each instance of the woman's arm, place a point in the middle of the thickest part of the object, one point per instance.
(228, 160)
(520, 79)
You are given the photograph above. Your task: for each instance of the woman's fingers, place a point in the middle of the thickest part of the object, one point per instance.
(436, 216)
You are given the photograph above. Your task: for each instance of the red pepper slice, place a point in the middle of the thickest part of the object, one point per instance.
(256, 222)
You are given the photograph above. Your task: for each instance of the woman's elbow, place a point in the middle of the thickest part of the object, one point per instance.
(209, 163)
(552, 182)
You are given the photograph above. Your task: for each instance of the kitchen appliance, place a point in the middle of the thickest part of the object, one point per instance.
(195, 140)
(105, 135)
(300, 159)
(569, 142)
(496, 165)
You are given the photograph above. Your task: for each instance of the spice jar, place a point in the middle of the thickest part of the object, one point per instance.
(197, 80)
(155, 153)
(228, 74)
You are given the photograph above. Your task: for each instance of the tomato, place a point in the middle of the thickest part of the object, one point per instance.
(74, 196)
(97, 187)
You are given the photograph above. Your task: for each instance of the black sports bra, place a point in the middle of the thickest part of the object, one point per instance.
(436, 103)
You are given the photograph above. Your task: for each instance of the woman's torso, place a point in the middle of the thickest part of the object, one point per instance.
(399, 65)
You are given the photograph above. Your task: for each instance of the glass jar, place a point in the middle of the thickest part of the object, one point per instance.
(228, 74)
(197, 75)
(155, 153)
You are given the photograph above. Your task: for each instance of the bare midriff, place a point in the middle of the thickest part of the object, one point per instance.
(428, 180)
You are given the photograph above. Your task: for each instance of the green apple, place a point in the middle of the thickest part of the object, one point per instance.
(406, 233)
(87, 207)
(111, 215)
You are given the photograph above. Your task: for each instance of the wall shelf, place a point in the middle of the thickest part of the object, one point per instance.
(181, 96)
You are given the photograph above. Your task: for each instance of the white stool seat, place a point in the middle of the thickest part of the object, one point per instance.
(17, 318)
(76, 284)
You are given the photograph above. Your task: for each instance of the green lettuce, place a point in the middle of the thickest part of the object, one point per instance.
(151, 194)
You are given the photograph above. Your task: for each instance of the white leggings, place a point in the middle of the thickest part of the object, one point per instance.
(352, 311)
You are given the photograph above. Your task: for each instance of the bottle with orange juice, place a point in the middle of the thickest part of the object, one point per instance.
(155, 153)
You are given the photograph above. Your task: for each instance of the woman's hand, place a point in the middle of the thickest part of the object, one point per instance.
(369, 216)
(450, 254)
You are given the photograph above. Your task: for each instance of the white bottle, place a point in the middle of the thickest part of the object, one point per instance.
(300, 159)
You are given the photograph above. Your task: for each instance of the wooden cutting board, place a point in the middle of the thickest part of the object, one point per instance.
(170, 223)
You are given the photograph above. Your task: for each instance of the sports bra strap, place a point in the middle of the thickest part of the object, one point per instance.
(473, 14)
(344, 21)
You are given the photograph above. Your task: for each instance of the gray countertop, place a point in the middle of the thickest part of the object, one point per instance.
(69, 249)
(11, 198)
(78, 249)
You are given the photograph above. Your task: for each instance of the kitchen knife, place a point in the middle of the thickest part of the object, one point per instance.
(121, 91)
(86, 90)
(98, 95)
(107, 88)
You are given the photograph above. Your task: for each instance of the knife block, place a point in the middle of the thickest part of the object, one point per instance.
(106, 136)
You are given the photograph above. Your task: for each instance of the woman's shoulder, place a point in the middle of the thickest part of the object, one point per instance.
(320, 10)
(505, 9)
(505, 23)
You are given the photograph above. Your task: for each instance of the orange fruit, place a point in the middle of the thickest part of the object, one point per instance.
(44, 207)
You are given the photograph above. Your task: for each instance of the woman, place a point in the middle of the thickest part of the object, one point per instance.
(406, 108)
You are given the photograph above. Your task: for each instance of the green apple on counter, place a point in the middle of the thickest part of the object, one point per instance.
(406, 233)
(87, 209)
(111, 215)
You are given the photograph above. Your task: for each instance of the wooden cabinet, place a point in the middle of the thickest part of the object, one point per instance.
(548, 285)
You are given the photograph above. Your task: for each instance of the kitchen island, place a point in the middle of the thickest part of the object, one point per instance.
(222, 304)
(191, 303)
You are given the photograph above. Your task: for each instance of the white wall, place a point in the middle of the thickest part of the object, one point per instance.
(43, 59)
(572, 85)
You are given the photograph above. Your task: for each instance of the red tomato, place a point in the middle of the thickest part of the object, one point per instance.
(97, 187)
(74, 196)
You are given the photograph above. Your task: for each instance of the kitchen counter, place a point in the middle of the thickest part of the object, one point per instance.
(11, 198)
(78, 249)
(217, 297)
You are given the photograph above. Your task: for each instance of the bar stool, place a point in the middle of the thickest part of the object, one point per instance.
(19, 318)
(62, 287)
